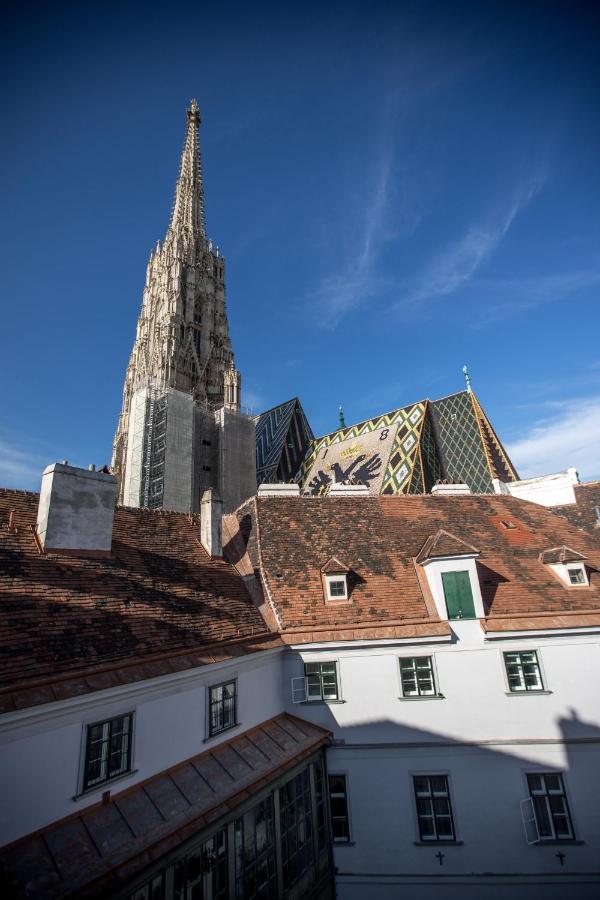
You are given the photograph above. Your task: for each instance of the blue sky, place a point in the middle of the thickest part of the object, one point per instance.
(398, 189)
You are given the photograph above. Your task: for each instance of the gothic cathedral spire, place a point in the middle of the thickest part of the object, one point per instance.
(188, 209)
(182, 362)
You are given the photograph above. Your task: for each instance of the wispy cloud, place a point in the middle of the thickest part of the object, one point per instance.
(569, 436)
(528, 292)
(343, 291)
(458, 263)
(20, 468)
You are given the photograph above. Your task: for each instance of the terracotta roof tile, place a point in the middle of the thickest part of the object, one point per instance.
(157, 604)
(379, 538)
(444, 544)
(562, 554)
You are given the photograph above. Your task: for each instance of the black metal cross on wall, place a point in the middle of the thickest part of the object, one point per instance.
(561, 856)
(440, 856)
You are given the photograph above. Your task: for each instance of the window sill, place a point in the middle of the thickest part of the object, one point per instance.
(438, 843)
(319, 702)
(526, 693)
(424, 697)
(105, 785)
(217, 734)
(561, 842)
(344, 843)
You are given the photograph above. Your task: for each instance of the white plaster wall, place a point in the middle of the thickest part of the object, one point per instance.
(547, 490)
(385, 858)
(476, 705)
(41, 748)
(434, 571)
(482, 737)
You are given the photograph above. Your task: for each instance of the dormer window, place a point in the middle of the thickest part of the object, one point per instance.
(449, 564)
(335, 581)
(567, 564)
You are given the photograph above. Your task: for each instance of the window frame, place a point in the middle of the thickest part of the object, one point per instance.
(543, 689)
(341, 841)
(435, 839)
(555, 838)
(87, 786)
(322, 698)
(340, 577)
(211, 733)
(578, 568)
(434, 677)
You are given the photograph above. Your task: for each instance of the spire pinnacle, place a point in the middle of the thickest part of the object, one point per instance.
(467, 378)
(342, 419)
(188, 210)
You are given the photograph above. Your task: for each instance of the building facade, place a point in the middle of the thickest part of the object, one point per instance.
(181, 429)
(400, 691)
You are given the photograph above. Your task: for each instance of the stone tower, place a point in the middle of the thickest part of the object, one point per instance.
(181, 429)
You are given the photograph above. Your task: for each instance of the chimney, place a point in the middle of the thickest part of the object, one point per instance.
(450, 489)
(344, 489)
(211, 514)
(76, 509)
(278, 490)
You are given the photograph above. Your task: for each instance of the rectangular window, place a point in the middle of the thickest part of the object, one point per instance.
(107, 750)
(321, 681)
(576, 575)
(434, 811)
(296, 825)
(550, 806)
(203, 872)
(255, 867)
(458, 595)
(338, 804)
(336, 588)
(523, 671)
(417, 678)
(222, 707)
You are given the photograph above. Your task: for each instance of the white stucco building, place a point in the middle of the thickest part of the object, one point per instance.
(403, 689)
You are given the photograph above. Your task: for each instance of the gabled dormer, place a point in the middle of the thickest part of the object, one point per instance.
(335, 581)
(567, 564)
(450, 567)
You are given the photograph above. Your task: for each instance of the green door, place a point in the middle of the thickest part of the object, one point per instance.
(458, 594)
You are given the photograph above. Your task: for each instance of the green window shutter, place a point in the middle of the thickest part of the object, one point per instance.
(458, 594)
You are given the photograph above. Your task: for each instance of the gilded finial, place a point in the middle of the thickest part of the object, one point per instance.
(467, 378)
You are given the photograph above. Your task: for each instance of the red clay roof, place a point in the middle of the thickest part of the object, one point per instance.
(444, 544)
(562, 554)
(94, 851)
(585, 512)
(158, 604)
(380, 537)
(333, 566)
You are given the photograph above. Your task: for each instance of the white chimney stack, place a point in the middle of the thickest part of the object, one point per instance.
(342, 489)
(211, 514)
(449, 490)
(278, 490)
(76, 509)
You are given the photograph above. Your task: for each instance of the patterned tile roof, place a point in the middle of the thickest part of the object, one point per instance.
(282, 438)
(159, 603)
(380, 537)
(92, 852)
